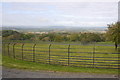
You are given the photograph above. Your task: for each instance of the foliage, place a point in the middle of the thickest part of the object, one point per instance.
(90, 37)
(27, 36)
(113, 33)
(11, 35)
(74, 37)
(54, 37)
(6, 33)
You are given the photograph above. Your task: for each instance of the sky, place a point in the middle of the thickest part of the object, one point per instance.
(71, 14)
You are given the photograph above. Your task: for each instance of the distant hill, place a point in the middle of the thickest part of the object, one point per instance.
(54, 28)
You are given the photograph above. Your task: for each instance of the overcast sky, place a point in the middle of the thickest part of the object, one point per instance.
(76, 14)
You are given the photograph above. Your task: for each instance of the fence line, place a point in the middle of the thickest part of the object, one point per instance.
(68, 57)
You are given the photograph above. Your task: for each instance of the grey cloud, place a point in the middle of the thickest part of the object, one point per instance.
(76, 14)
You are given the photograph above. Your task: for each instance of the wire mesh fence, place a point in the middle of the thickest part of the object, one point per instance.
(94, 56)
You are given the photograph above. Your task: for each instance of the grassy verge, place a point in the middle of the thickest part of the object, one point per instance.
(13, 63)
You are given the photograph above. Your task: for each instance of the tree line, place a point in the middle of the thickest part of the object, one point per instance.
(112, 34)
(54, 37)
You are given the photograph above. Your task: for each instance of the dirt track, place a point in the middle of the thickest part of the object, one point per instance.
(16, 73)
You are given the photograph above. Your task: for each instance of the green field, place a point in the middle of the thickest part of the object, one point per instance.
(32, 66)
(102, 55)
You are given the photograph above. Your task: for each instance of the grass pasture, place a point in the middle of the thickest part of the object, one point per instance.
(32, 66)
(91, 55)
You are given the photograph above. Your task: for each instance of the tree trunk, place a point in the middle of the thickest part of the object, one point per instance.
(116, 45)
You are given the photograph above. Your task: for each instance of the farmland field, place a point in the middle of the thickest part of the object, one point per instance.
(99, 55)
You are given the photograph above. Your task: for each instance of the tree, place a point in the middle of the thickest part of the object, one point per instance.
(74, 37)
(58, 38)
(6, 33)
(27, 36)
(11, 35)
(113, 33)
(90, 37)
(51, 36)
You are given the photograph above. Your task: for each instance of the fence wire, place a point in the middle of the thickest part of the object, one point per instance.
(94, 56)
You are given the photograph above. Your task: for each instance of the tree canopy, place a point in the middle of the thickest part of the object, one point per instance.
(113, 33)
(53, 37)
